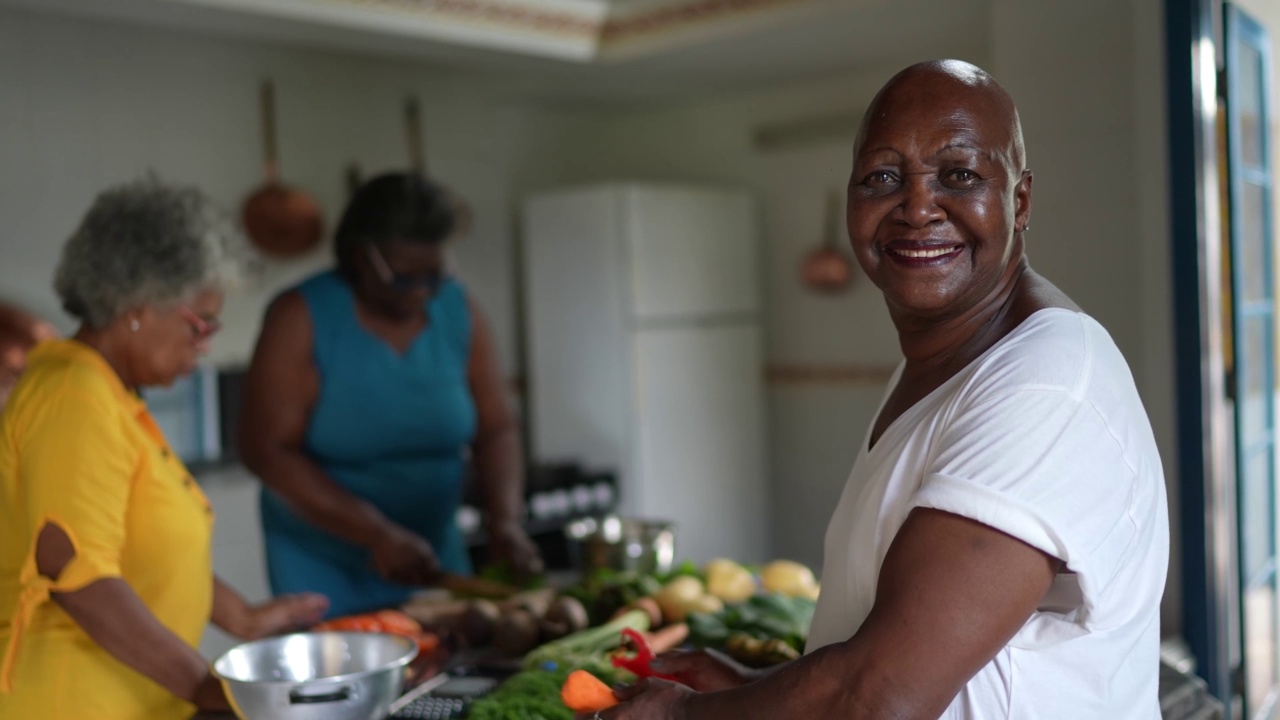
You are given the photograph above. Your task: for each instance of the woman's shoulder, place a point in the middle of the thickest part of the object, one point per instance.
(64, 373)
(325, 282)
(1055, 348)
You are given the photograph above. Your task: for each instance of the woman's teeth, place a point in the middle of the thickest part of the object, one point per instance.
(925, 253)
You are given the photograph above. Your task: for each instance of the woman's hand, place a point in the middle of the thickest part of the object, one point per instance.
(704, 670)
(648, 699)
(285, 613)
(404, 557)
(510, 546)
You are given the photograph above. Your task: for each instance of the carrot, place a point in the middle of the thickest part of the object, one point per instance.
(427, 643)
(351, 623)
(668, 638)
(584, 693)
(394, 621)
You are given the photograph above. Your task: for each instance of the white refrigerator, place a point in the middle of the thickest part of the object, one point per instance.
(645, 354)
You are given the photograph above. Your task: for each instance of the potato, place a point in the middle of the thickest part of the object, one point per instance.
(789, 578)
(679, 597)
(729, 581)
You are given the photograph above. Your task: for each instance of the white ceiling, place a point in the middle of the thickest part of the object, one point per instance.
(786, 42)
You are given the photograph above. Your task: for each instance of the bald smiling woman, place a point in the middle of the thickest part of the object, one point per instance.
(1000, 549)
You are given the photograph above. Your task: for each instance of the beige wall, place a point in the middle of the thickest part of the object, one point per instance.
(84, 105)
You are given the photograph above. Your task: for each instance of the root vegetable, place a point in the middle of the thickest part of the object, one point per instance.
(568, 612)
(516, 633)
(585, 693)
(789, 578)
(680, 597)
(647, 604)
(668, 638)
(478, 622)
(729, 581)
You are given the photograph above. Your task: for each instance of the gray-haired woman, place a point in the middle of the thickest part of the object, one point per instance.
(96, 513)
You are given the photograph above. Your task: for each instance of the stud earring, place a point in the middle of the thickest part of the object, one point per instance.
(134, 325)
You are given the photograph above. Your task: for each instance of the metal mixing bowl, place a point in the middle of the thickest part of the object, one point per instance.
(316, 676)
(618, 543)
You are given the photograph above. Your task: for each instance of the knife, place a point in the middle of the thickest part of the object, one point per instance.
(476, 587)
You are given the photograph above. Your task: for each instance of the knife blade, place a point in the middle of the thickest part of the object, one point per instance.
(477, 587)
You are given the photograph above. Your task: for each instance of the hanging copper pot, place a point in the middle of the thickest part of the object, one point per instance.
(282, 221)
(828, 269)
(462, 213)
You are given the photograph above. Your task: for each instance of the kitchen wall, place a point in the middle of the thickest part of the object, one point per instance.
(88, 104)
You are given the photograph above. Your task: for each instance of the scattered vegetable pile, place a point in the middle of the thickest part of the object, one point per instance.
(606, 628)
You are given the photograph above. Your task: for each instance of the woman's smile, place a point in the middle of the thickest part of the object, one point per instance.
(922, 255)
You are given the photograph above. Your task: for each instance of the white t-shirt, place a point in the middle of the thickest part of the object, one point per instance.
(1043, 437)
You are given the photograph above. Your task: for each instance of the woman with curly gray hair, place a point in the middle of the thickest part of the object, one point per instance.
(106, 579)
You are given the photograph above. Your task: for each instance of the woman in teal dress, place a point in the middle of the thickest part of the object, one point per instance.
(372, 388)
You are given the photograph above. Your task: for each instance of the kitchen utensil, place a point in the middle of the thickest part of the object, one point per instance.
(316, 676)
(618, 543)
(423, 688)
(462, 213)
(476, 587)
(827, 269)
(281, 220)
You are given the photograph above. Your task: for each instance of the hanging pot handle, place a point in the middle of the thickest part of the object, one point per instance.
(835, 208)
(413, 136)
(267, 101)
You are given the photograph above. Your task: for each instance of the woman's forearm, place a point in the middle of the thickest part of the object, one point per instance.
(827, 683)
(113, 615)
(230, 611)
(315, 496)
(500, 472)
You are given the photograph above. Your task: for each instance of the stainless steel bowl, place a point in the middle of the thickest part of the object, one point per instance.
(316, 676)
(619, 543)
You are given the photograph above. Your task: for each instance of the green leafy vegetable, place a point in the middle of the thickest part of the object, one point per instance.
(764, 617)
(686, 568)
(604, 592)
(535, 694)
(587, 645)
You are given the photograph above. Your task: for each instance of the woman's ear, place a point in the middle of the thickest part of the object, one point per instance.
(1022, 202)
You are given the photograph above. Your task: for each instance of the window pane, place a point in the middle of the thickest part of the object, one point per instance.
(1259, 644)
(1257, 533)
(1249, 103)
(1251, 252)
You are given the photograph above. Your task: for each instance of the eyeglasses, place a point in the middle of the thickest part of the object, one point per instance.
(401, 282)
(201, 329)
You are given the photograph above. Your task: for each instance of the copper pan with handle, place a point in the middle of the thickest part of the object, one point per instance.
(280, 220)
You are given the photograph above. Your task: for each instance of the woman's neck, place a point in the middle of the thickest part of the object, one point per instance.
(955, 341)
(106, 343)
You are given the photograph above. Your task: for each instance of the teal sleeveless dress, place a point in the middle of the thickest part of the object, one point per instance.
(389, 428)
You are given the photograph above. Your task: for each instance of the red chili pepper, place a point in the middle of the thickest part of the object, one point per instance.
(639, 664)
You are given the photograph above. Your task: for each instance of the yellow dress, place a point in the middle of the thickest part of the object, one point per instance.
(79, 450)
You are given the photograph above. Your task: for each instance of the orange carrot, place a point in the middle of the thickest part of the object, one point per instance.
(427, 643)
(394, 621)
(668, 638)
(584, 693)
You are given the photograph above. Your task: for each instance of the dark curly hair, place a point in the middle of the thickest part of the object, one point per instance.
(400, 206)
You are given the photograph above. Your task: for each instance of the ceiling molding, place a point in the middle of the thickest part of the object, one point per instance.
(581, 30)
